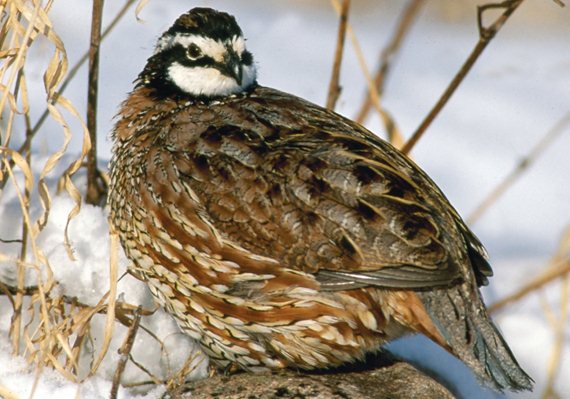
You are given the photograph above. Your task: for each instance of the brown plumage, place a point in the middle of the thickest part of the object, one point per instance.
(280, 234)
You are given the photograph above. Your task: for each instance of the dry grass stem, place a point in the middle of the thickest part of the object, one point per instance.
(177, 381)
(25, 147)
(388, 53)
(559, 338)
(46, 327)
(486, 34)
(20, 162)
(6, 393)
(112, 295)
(523, 165)
(334, 86)
(125, 352)
(140, 5)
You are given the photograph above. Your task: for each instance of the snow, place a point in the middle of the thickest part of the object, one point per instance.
(23, 382)
(87, 278)
(516, 92)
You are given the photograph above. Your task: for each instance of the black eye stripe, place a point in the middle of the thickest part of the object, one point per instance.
(247, 58)
(204, 61)
(179, 54)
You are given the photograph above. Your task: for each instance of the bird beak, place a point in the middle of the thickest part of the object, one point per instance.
(233, 67)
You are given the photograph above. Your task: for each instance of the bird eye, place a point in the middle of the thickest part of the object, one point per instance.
(193, 52)
(246, 58)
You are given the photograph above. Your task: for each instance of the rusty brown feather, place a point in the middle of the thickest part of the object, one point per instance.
(280, 234)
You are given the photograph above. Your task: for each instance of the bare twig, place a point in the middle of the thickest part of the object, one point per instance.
(553, 273)
(122, 309)
(387, 55)
(95, 191)
(486, 34)
(560, 266)
(520, 168)
(11, 241)
(334, 87)
(387, 119)
(125, 352)
(9, 290)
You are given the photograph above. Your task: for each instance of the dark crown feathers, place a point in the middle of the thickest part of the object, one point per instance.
(206, 22)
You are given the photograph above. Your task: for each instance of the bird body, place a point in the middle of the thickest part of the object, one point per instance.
(279, 233)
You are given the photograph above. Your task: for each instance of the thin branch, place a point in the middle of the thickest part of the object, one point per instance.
(520, 168)
(11, 291)
(121, 308)
(486, 34)
(155, 380)
(387, 119)
(560, 267)
(94, 191)
(125, 352)
(334, 87)
(555, 272)
(388, 54)
(12, 241)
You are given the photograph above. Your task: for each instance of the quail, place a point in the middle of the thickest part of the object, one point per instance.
(280, 234)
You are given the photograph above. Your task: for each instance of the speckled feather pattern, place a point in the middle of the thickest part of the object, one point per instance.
(280, 234)
(230, 209)
(181, 199)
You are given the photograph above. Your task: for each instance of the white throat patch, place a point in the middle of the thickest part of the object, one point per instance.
(207, 81)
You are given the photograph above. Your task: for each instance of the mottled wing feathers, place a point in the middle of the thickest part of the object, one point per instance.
(293, 182)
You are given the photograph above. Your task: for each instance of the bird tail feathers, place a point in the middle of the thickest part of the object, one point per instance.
(461, 318)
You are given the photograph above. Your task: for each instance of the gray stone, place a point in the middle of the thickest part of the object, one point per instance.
(392, 379)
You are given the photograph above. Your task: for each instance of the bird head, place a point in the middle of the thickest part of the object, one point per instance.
(203, 54)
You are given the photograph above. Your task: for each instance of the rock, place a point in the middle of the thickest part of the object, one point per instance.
(385, 378)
